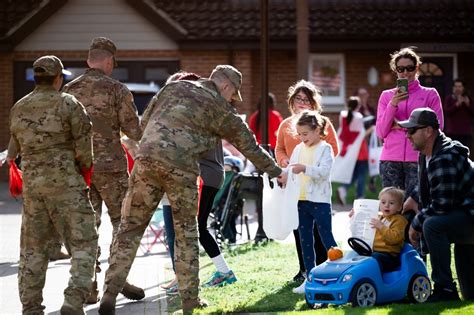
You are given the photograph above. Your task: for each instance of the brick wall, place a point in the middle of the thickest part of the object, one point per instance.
(357, 66)
(282, 74)
(6, 99)
(204, 62)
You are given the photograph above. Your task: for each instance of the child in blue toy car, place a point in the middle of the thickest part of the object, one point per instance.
(313, 159)
(390, 229)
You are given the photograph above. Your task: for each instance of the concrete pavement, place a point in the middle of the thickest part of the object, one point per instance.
(148, 271)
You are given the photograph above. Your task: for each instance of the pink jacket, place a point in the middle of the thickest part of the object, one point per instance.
(396, 146)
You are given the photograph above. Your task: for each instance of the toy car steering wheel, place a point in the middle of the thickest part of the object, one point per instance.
(360, 246)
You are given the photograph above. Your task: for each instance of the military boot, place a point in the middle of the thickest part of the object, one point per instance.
(107, 304)
(69, 309)
(93, 295)
(190, 305)
(58, 255)
(132, 292)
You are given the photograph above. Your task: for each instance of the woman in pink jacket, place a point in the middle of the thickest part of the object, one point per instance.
(399, 162)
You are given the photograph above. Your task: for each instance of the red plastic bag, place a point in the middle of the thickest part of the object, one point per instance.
(16, 180)
(86, 172)
(130, 161)
(199, 183)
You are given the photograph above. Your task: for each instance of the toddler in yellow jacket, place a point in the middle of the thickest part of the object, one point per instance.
(390, 229)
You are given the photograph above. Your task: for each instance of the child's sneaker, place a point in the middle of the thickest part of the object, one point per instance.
(300, 289)
(219, 279)
(173, 290)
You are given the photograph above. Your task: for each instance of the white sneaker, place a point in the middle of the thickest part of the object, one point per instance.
(300, 289)
(341, 195)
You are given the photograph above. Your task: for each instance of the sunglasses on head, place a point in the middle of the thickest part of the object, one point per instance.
(411, 131)
(401, 69)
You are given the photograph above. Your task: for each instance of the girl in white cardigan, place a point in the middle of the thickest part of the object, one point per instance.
(312, 159)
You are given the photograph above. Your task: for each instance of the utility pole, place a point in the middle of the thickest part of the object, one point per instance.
(302, 35)
(261, 236)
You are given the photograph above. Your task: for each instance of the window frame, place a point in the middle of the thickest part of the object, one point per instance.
(340, 57)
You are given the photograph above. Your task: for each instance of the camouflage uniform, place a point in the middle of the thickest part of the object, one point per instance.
(184, 121)
(110, 105)
(52, 132)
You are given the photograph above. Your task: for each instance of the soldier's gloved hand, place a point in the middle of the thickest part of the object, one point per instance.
(86, 172)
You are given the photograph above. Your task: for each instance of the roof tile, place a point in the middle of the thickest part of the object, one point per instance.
(329, 19)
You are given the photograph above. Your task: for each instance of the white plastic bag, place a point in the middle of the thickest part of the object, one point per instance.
(375, 150)
(280, 206)
(343, 166)
(3, 157)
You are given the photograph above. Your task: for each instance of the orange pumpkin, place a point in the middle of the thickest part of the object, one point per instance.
(335, 253)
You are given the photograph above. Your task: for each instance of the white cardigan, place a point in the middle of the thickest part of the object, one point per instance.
(319, 187)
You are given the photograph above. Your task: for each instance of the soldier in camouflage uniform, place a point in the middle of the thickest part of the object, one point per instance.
(184, 121)
(52, 132)
(110, 105)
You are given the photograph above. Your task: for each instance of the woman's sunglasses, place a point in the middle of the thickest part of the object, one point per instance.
(401, 69)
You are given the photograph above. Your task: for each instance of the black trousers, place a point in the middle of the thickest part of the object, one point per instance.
(205, 206)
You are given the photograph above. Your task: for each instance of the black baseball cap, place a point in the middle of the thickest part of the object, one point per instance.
(421, 117)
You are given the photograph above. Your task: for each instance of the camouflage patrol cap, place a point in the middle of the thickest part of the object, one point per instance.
(103, 43)
(234, 76)
(50, 66)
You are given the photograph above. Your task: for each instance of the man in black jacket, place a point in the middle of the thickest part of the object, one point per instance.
(445, 197)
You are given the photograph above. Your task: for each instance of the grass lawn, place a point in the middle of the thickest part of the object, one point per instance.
(263, 272)
(351, 192)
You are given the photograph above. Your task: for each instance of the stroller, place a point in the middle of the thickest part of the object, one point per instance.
(229, 204)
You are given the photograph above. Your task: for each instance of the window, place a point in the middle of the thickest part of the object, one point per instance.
(430, 69)
(150, 74)
(120, 74)
(156, 74)
(327, 72)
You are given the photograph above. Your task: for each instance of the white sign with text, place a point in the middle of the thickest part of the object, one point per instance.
(364, 211)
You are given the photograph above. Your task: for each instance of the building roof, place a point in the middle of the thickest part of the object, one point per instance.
(329, 19)
(193, 21)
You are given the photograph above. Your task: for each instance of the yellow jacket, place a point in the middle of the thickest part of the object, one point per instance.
(389, 239)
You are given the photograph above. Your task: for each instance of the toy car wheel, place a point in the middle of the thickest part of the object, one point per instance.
(419, 289)
(310, 305)
(364, 294)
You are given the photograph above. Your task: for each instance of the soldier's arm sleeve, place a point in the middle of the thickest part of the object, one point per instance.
(13, 148)
(148, 111)
(81, 129)
(236, 131)
(128, 116)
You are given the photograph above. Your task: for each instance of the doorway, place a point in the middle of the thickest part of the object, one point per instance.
(438, 72)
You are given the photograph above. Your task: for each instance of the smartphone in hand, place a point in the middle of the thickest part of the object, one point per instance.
(402, 85)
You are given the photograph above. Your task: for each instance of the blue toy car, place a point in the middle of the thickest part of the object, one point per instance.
(356, 278)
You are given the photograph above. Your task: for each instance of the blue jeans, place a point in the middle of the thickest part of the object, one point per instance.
(169, 230)
(360, 173)
(309, 214)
